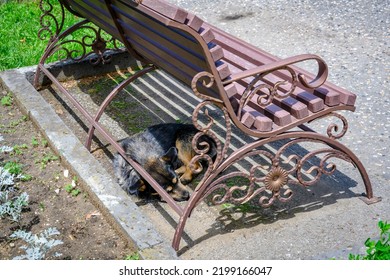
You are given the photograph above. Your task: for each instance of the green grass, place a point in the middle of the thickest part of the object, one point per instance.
(22, 47)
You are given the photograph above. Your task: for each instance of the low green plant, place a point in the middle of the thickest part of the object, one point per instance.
(44, 143)
(15, 123)
(377, 250)
(72, 188)
(18, 149)
(34, 142)
(12, 206)
(133, 257)
(42, 206)
(37, 245)
(46, 159)
(6, 100)
(13, 167)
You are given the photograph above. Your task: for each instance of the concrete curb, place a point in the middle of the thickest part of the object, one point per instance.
(116, 205)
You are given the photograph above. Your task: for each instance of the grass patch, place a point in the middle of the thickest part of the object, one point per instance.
(22, 47)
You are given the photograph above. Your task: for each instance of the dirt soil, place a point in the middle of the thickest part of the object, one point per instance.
(83, 230)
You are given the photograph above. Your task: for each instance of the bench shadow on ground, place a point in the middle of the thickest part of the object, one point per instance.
(157, 98)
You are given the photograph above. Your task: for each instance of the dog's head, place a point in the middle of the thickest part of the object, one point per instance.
(163, 171)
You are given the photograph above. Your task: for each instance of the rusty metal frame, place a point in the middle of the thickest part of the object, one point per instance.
(57, 42)
(275, 179)
(266, 183)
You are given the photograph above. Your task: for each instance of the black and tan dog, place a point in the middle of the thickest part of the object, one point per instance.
(165, 152)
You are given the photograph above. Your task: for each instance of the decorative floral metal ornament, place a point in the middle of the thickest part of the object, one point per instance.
(275, 179)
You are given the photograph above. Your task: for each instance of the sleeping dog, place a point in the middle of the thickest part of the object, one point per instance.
(165, 152)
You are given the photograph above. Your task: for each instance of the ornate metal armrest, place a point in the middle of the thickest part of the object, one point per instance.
(321, 77)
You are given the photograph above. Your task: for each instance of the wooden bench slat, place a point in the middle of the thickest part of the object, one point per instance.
(169, 10)
(259, 57)
(216, 52)
(330, 98)
(207, 34)
(278, 115)
(260, 121)
(223, 69)
(295, 107)
(315, 104)
(146, 39)
(194, 22)
(100, 16)
(238, 64)
(144, 23)
(251, 118)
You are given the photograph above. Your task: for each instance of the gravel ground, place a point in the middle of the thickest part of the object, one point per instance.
(352, 36)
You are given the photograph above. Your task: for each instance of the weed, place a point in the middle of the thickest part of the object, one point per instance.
(377, 250)
(75, 192)
(46, 159)
(44, 143)
(6, 100)
(133, 257)
(119, 104)
(42, 206)
(15, 123)
(34, 142)
(38, 245)
(26, 177)
(72, 189)
(13, 167)
(18, 149)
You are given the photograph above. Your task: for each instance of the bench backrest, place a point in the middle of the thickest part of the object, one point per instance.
(183, 45)
(160, 33)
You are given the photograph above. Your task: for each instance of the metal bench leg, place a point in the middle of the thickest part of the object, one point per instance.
(269, 181)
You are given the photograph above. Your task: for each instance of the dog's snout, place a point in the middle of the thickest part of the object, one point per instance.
(179, 192)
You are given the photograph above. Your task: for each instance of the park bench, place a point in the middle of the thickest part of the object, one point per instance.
(266, 98)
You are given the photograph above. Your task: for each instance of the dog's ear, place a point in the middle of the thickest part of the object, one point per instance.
(170, 155)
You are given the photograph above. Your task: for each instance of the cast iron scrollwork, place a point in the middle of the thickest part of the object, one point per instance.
(264, 93)
(270, 181)
(92, 44)
(47, 19)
